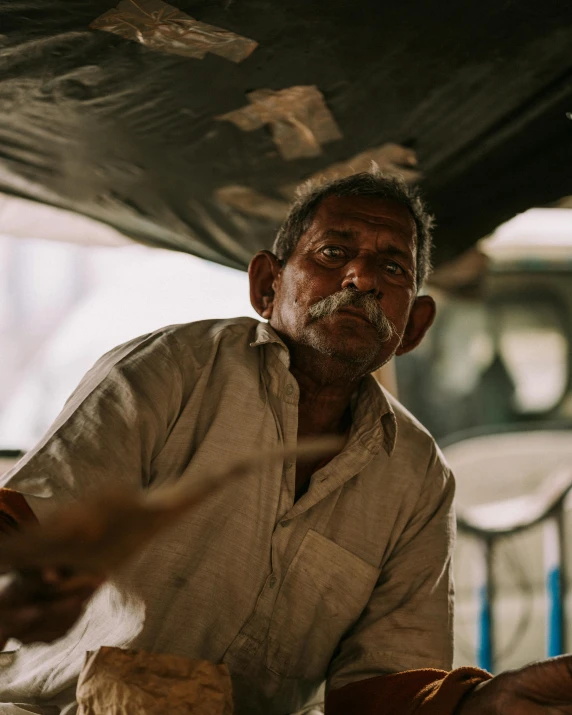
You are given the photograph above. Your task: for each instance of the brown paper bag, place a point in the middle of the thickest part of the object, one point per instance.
(130, 682)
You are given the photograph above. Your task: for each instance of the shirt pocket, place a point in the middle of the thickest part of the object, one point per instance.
(323, 594)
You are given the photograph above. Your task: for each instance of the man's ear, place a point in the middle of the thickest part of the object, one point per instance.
(263, 270)
(420, 320)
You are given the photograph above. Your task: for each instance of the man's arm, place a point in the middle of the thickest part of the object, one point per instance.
(14, 511)
(414, 692)
(543, 688)
(399, 653)
(40, 605)
(107, 435)
(403, 615)
(407, 623)
(109, 431)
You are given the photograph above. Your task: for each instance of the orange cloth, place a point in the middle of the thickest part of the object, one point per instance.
(413, 692)
(14, 510)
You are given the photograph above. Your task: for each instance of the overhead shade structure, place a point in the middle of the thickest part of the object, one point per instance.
(188, 125)
(538, 238)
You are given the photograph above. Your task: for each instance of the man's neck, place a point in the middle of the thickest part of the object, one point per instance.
(324, 405)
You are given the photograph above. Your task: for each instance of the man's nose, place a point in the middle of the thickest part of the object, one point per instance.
(363, 274)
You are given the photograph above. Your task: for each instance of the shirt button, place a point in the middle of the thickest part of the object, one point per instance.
(272, 582)
(289, 389)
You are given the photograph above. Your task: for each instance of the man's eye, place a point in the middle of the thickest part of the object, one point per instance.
(394, 268)
(333, 252)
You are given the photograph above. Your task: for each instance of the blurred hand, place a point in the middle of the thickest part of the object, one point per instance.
(42, 605)
(543, 688)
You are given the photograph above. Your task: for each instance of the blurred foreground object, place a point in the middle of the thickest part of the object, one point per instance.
(101, 534)
(131, 682)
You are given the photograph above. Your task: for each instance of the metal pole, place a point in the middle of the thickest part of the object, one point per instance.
(485, 636)
(561, 516)
(553, 585)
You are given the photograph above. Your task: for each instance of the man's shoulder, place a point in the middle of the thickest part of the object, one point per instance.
(192, 335)
(184, 345)
(189, 337)
(413, 441)
(407, 423)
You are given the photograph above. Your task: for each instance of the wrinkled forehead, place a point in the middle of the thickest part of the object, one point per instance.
(366, 212)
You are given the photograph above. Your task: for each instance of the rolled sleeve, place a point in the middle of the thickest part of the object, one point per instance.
(408, 621)
(110, 429)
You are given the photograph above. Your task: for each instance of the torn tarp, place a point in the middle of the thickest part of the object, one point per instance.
(299, 119)
(102, 533)
(162, 27)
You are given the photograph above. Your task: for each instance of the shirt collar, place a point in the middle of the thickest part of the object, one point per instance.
(370, 401)
(266, 334)
(373, 407)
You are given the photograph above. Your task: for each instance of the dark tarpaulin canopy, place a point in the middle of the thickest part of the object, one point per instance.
(128, 134)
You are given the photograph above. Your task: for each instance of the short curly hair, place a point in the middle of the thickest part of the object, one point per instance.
(372, 184)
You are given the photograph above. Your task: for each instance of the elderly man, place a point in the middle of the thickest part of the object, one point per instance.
(335, 571)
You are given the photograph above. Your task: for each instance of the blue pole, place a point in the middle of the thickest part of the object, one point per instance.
(555, 583)
(485, 627)
(555, 645)
(485, 645)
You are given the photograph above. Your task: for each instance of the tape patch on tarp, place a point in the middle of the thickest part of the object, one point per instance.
(391, 158)
(251, 202)
(299, 119)
(162, 27)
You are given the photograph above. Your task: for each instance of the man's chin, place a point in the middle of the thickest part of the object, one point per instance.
(354, 350)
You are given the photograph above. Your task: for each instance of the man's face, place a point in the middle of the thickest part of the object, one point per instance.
(367, 249)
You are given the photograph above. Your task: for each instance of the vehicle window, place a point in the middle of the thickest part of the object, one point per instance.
(534, 349)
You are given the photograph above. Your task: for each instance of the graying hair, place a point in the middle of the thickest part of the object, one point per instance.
(371, 184)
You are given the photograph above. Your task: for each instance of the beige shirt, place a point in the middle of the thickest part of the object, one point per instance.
(351, 581)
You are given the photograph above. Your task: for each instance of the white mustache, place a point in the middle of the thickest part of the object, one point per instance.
(326, 307)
